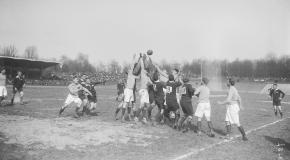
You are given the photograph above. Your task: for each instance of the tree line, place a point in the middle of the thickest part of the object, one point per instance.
(270, 66)
(11, 51)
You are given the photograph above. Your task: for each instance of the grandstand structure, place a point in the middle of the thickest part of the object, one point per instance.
(30, 67)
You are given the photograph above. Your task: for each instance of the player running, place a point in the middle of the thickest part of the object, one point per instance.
(186, 92)
(277, 95)
(18, 84)
(234, 104)
(3, 80)
(203, 108)
(73, 97)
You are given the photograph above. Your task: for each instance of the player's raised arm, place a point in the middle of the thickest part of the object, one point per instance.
(160, 71)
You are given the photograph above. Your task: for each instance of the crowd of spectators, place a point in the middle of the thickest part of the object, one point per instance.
(63, 78)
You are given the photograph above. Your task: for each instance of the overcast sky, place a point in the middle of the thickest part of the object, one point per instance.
(176, 30)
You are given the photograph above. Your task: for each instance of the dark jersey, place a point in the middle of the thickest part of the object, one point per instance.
(120, 88)
(186, 91)
(91, 88)
(276, 95)
(18, 82)
(151, 93)
(81, 93)
(171, 99)
(158, 90)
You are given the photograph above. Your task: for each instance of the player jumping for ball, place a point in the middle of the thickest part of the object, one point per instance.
(186, 92)
(145, 82)
(277, 95)
(234, 104)
(172, 110)
(129, 96)
(159, 96)
(73, 97)
(203, 108)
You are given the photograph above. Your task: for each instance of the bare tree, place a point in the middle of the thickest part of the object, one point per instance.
(9, 51)
(114, 67)
(31, 52)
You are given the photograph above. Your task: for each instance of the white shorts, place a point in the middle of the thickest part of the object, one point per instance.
(3, 91)
(232, 114)
(128, 95)
(203, 109)
(144, 96)
(71, 98)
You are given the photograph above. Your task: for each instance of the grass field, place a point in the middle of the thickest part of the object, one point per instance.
(33, 131)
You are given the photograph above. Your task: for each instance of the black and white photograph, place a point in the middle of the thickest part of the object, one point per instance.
(144, 80)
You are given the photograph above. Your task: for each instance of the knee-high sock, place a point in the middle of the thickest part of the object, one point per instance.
(241, 129)
(210, 126)
(129, 110)
(229, 129)
(123, 112)
(117, 111)
(198, 125)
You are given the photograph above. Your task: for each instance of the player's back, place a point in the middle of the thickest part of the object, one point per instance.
(204, 93)
(158, 89)
(186, 91)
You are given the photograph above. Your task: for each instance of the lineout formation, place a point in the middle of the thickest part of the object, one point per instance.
(170, 92)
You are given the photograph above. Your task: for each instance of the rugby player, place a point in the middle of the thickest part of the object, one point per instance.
(159, 96)
(120, 90)
(18, 83)
(3, 80)
(277, 95)
(129, 96)
(145, 82)
(73, 97)
(234, 104)
(172, 110)
(203, 108)
(186, 92)
(90, 102)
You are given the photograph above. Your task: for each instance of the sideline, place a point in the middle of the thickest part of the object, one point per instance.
(196, 151)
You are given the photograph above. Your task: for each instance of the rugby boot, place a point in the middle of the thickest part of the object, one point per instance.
(241, 129)
(281, 114)
(210, 134)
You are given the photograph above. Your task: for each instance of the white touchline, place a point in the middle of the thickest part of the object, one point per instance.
(271, 102)
(196, 151)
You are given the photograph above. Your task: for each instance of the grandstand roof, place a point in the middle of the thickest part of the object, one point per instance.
(25, 63)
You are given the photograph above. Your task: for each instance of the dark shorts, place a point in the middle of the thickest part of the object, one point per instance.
(160, 103)
(276, 103)
(120, 92)
(18, 90)
(186, 107)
